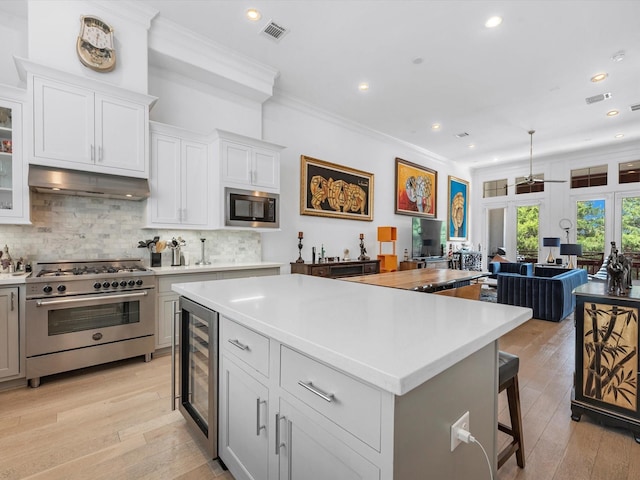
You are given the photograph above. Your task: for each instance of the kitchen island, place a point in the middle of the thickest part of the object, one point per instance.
(352, 380)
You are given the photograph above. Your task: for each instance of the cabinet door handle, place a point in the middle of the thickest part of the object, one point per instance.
(175, 320)
(93, 156)
(279, 444)
(327, 397)
(12, 298)
(258, 425)
(237, 343)
(100, 153)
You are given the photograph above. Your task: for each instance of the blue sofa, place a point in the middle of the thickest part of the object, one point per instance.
(548, 292)
(510, 267)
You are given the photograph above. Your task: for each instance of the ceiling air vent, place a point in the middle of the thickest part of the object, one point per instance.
(274, 31)
(635, 108)
(597, 98)
(461, 135)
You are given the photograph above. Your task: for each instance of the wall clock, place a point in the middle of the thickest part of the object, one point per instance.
(95, 44)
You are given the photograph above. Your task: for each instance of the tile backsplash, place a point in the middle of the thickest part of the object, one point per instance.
(78, 228)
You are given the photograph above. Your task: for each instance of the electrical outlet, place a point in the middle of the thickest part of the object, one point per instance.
(463, 423)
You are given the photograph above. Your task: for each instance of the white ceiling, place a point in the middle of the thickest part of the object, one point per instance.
(532, 72)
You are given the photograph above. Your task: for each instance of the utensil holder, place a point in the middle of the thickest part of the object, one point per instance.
(156, 259)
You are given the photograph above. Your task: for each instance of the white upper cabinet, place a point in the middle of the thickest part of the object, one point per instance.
(14, 195)
(248, 163)
(83, 124)
(179, 179)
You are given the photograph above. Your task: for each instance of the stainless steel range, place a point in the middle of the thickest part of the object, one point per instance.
(84, 313)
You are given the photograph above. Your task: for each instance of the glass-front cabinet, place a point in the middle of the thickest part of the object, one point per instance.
(13, 188)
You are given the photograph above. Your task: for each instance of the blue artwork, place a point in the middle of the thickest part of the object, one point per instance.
(458, 209)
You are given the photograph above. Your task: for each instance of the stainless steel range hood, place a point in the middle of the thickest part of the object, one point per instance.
(74, 182)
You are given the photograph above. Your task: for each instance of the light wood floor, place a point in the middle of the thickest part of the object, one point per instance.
(115, 422)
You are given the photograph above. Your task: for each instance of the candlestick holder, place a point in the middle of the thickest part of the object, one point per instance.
(363, 251)
(299, 260)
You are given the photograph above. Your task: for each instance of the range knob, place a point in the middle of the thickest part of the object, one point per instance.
(47, 289)
(61, 288)
(106, 284)
(131, 283)
(97, 285)
(114, 284)
(138, 282)
(123, 283)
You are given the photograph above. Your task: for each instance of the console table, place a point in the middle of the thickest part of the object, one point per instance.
(606, 368)
(337, 269)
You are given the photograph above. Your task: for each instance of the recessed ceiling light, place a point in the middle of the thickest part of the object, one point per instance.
(620, 135)
(253, 14)
(612, 113)
(493, 22)
(436, 126)
(128, 195)
(363, 87)
(599, 77)
(618, 56)
(471, 145)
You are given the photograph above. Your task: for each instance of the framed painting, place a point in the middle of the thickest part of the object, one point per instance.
(331, 190)
(458, 218)
(415, 189)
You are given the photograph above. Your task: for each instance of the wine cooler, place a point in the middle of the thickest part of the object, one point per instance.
(198, 372)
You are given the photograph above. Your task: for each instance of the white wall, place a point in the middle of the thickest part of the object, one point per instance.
(187, 103)
(558, 200)
(320, 136)
(53, 31)
(13, 41)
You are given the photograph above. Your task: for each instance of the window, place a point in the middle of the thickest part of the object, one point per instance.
(494, 188)
(629, 172)
(589, 177)
(590, 225)
(527, 233)
(529, 187)
(630, 224)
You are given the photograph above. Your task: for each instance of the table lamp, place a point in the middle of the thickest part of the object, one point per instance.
(570, 249)
(551, 242)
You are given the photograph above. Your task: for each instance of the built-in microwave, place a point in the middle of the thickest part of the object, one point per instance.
(248, 208)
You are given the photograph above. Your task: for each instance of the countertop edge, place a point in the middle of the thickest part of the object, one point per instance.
(391, 383)
(215, 267)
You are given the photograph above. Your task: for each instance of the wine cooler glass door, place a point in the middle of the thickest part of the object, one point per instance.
(199, 370)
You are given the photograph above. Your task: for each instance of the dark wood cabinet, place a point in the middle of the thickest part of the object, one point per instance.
(606, 375)
(337, 269)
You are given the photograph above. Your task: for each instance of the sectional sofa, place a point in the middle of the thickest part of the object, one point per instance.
(547, 291)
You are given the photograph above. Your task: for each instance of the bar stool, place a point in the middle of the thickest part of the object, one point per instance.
(508, 380)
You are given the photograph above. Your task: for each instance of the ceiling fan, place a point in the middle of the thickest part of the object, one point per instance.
(529, 180)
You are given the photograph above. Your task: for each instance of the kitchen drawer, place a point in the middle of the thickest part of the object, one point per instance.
(249, 346)
(347, 402)
(320, 271)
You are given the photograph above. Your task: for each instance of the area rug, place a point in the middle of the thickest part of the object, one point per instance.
(489, 295)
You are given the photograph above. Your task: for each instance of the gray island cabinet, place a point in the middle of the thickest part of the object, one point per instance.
(327, 379)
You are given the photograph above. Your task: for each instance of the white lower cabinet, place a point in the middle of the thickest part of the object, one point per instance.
(244, 407)
(9, 333)
(311, 453)
(267, 432)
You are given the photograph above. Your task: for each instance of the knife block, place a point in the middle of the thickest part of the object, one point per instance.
(156, 259)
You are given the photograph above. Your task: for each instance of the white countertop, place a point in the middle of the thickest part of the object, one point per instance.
(391, 338)
(13, 278)
(214, 267)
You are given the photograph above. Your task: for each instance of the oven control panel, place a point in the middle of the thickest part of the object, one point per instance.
(55, 287)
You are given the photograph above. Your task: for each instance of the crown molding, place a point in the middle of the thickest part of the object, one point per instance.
(315, 111)
(172, 46)
(128, 10)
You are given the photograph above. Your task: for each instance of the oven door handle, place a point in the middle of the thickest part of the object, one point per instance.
(44, 303)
